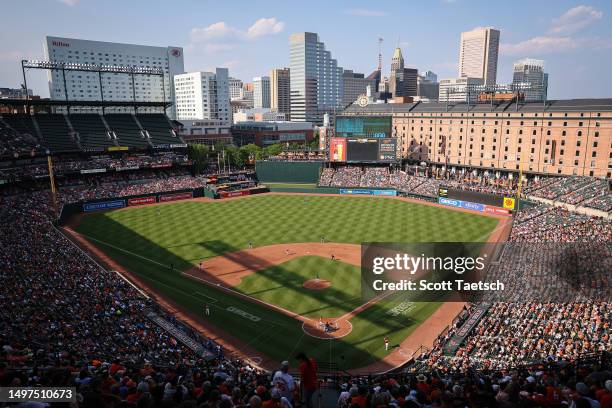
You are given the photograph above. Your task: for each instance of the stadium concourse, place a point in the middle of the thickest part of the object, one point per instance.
(67, 321)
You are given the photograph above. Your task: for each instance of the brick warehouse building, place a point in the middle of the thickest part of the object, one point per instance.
(568, 137)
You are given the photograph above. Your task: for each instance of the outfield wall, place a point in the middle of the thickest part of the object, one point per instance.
(288, 172)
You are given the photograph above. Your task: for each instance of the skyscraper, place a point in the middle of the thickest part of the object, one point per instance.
(355, 84)
(280, 95)
(530, 79)
(402, 81)
(235, 88)
(478, 54)
(316, 79)
(203, 95)
(261, 92)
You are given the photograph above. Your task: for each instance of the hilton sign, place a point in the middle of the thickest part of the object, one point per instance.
(60, 44)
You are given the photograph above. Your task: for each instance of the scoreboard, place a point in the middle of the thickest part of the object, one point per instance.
(378, 127)
(365, 139)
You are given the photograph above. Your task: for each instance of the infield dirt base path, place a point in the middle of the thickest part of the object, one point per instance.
(228, 270)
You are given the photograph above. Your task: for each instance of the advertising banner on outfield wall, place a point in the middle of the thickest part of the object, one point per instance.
(473, 206)
(141, 200)
(364, 191)
(227, 194)
(514, 272)
(103, 205)
(174, 197)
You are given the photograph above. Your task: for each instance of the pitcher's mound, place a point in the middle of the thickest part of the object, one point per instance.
(317, 284)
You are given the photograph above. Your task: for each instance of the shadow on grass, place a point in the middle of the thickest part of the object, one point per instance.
(275, 334)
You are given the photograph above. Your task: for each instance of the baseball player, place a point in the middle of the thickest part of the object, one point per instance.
(386, 343)
(206, 310)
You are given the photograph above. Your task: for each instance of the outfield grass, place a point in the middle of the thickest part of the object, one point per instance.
(184, 233)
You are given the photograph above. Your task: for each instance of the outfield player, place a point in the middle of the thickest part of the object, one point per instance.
(386, 343)
(206, 310)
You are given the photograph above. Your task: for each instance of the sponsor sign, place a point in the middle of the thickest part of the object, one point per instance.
(337, 149)
(509, 203)
(118, 148)
(174, 197)
(103, 205)
(92, 171)
(490, 209)
(160, 165)
(362, 191)
(127, 168)
(239, 193)
(141, 200)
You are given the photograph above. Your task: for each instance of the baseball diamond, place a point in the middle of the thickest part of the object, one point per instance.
(253, 262)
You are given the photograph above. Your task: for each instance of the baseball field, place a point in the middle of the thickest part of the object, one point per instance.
(273, 268)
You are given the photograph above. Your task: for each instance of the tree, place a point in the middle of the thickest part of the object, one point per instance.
(273, 150)
(199, 155)
(249, 153)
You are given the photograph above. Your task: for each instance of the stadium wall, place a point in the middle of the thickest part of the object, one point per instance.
(288, 172)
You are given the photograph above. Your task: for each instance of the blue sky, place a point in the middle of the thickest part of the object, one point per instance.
(250, 37)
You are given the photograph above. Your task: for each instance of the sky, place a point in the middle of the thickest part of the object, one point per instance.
(574, 38)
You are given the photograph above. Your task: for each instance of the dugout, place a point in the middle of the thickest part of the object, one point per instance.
(288, 172)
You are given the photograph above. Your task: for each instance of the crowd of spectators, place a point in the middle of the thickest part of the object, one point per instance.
(68, 322)
(584, 191)
(555, 224)
(13, 143)
(70, 165)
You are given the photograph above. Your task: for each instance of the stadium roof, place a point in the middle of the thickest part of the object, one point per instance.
(49, 102)
(564, 105)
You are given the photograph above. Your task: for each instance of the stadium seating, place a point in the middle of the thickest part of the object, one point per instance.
(56, 133)
(159, 129)
(92, 131)
(127, 130)
(15, 142)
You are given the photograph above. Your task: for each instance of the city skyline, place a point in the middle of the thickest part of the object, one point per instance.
(252, 43)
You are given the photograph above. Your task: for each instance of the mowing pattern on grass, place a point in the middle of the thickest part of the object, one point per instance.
(282, 285)
(158, 247)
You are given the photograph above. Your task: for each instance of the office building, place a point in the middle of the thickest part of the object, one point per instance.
(85, 86)
(203, 96)
(235, 88)
(529, 75)
(354, 84)
(459, 89)
(15, 93)
(566, 137)
(426, 88)
(280, 91)
(261, 92)
(258, 115)
(429, 76)
(316, 79)
(267, 133)
(478, 54)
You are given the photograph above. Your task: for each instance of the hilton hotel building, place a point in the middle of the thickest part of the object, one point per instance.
(85, 86)
(566, 137)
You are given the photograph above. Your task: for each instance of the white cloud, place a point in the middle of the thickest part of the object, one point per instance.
(560, 36)
(575, 19)
(541, 45)
(221, 36)
(214, 31)
(366, 13)
(70, 2)
(265, 26)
